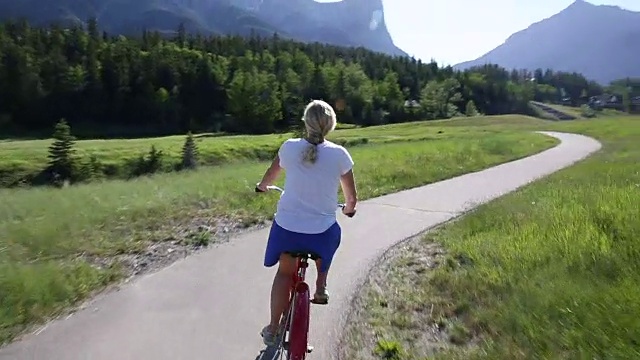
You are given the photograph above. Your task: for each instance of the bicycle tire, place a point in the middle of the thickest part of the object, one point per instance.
(299, 326)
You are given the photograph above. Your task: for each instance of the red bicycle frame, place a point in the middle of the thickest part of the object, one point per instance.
(296, 321)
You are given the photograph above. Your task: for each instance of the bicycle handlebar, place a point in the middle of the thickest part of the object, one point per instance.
(281, 190)
(271, 187)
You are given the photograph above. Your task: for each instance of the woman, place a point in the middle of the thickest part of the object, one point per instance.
(306, 214)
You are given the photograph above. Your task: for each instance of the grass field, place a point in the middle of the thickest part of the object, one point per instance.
(549, 272)
(569, 110)
(50, 238)
(24, 159)
(577, 111)
(21, 160)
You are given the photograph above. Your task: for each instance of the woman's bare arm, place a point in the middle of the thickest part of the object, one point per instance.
(350, 193)
(271, 174)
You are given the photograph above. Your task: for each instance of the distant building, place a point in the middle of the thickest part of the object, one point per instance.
(606, 101)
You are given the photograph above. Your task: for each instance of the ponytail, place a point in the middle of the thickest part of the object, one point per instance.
(319, 119)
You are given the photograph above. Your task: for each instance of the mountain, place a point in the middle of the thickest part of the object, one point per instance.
(601, 42)
(345, 23)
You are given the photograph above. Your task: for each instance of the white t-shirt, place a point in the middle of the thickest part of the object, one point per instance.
(310, 199)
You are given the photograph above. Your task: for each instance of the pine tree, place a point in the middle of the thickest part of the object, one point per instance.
(60, 156)
(189, 153)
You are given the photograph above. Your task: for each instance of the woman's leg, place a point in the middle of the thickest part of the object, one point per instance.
(321, 279)
(279, 242)
(326, 245)
(280, 290)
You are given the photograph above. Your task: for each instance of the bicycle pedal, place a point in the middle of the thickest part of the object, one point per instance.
(309, 349)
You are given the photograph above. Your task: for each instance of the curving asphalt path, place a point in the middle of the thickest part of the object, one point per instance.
(212, 305)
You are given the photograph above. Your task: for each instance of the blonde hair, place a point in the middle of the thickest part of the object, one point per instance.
(319, 120)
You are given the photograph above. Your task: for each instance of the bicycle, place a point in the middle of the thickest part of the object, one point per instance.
(294, 327)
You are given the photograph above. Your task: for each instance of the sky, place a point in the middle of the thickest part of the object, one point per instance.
(453, 31)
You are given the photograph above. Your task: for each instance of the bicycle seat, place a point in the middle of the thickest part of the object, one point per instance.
(303, 254)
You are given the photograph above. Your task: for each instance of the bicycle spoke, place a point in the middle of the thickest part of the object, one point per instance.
(283, 328)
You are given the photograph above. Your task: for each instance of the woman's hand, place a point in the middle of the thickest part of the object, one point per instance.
(349, 210)
(262, 186)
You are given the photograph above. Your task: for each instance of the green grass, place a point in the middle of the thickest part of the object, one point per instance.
(549, 272)
(578, 113)
(569, 110)
(48, 235)
(20, 159)
(541, 114)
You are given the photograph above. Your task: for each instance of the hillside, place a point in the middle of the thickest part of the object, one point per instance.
(345, 23)
(600, 42)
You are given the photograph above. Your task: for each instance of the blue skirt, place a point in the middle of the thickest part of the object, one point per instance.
(324, 244)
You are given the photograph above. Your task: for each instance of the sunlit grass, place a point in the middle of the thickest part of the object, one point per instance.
(549, 272)
(46, 233)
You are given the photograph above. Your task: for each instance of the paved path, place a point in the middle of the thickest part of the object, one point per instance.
(212, 305)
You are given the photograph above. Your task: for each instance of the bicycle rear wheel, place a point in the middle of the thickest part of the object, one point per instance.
(283, 345)
(299, 323)
(282, 352)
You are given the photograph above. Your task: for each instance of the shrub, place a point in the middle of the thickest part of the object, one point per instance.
(150, 164)
(587, 111)
(471, 109)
